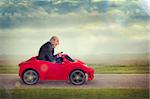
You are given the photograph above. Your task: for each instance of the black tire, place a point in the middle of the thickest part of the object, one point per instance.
(30, 77)
(77, 77)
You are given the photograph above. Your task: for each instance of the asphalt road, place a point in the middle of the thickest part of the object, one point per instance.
(9, 81)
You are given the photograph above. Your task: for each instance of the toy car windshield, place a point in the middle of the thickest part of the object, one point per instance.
(69, 58)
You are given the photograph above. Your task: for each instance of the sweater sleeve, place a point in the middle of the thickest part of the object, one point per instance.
(50, 53)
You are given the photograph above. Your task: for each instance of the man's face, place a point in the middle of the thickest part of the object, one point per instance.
(55, 42)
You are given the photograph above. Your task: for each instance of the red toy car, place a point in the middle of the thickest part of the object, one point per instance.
(33, 70)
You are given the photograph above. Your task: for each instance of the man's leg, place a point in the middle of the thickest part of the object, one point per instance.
(59, 60)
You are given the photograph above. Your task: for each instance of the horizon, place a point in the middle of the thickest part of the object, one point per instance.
(104, 59)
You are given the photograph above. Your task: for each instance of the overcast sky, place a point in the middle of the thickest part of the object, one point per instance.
(88, 27)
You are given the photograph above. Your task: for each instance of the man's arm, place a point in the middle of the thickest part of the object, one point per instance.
(50, 53)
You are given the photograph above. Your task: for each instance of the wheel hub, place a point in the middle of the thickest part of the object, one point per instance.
(77, 77)
(30, 77)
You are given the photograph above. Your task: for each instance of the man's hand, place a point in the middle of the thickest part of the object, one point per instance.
(59, 54)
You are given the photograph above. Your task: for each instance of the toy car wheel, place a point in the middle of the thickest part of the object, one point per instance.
(30, 77)
(77, 77)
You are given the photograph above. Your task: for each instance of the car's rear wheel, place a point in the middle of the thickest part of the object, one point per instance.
(30, 77)
(77, 77)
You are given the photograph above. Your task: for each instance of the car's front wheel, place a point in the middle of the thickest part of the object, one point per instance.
(77, 77)
(30, 77)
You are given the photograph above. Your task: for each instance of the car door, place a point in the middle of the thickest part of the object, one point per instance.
(57, 71)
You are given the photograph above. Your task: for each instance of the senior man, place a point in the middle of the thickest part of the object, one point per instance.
(46, 51)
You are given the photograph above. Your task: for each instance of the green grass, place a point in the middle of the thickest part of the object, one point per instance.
(121, 69)
(74, 94)
(99, 69)
(8, 69)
